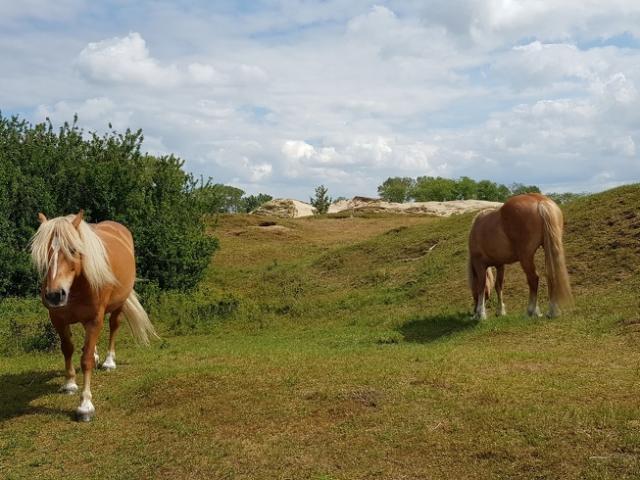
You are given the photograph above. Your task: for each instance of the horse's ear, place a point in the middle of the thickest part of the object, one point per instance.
(78, 218)
(41, 217)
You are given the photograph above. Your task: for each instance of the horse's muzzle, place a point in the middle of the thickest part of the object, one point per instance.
(56, 298)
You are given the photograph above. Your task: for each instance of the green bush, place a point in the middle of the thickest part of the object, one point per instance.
(25, 327)
(60, 172)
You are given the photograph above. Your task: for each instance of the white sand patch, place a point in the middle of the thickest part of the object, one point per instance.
(289, 208)
(441, 209)
(285, 208)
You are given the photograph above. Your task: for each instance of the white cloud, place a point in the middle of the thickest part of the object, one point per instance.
(125, 60)
(348, 93)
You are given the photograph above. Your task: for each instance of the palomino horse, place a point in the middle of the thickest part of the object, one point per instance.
(512, 234)
(87, 271)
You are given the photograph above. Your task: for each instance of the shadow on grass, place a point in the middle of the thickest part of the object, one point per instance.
(18, 390)
(431, 328)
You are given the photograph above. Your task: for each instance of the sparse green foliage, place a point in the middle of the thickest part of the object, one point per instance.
(321, 201)
(562, 198)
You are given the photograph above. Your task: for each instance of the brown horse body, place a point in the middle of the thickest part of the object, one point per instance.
(513, 233)
(88, 271)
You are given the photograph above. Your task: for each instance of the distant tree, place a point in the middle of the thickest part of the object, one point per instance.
(466, 188)
(339, 199)
(219, 198)
(251, 202)
(519, 188)
(321, 201)
(491, 191)
(396, 189)
(561, 198)
(428, 189)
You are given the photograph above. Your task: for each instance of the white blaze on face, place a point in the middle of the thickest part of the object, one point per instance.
(55, 245)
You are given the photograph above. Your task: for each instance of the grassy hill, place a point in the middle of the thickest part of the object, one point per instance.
(342, 348)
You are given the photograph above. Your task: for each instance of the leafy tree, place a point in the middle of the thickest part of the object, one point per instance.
(466, 188)
(396, 189)
(251, 202)
(438, 189)
(491, 191)
(519, 188)
(219, 198)
(321, 201)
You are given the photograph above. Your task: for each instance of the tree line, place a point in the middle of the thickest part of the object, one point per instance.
(426, 189)
(60, 171)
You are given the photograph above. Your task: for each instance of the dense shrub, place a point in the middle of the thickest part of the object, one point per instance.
(60, 172)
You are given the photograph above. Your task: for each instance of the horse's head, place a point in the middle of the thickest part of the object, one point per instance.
(57, 253)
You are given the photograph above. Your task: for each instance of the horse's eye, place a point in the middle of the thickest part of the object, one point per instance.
(73, 252)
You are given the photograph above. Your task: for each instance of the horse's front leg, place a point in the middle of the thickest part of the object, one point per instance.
(86, 410)
(64, 331)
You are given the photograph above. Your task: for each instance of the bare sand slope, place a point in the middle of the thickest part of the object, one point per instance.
(289, 208)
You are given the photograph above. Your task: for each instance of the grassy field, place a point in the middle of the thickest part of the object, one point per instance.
(342, 348)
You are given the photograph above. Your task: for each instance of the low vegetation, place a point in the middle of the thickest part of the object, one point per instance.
(341, 347)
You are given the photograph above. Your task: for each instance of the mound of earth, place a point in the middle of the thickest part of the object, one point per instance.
(285, 208)
(289, 208)
(441, 209)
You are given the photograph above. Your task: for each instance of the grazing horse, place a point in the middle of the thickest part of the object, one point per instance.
(513, 233)
(87, 271)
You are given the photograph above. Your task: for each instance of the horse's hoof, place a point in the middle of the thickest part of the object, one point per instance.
(84, 416)
(108, 367)
(85, 411)
(69, 389)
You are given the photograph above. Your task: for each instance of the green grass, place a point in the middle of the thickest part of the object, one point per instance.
(342, 348)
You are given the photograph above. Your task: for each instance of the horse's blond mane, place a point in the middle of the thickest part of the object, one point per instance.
(83, 240)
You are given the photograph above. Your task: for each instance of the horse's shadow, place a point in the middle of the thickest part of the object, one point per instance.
(431, 328)
(18, 390)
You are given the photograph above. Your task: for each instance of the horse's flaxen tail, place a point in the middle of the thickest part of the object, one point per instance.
(138, 320)
(557, 276)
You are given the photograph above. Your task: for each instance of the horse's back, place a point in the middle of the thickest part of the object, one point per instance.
(522, 221)
(110, 231)
(488, 240)
(118, 242)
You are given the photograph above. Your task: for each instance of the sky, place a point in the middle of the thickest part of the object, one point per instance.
(279, 96)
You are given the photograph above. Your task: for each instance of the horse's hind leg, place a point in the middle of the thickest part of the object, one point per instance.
(480, 279)
(529, 267)
(499, 285)
(64, 331)
(114, 324)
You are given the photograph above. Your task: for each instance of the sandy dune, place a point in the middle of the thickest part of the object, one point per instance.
(290, 208)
